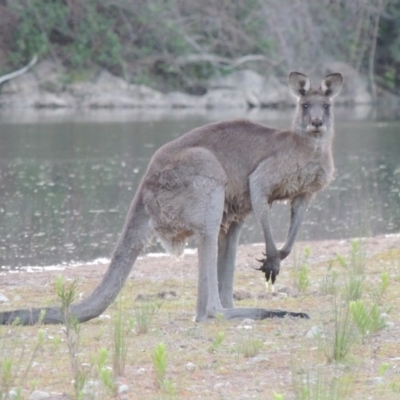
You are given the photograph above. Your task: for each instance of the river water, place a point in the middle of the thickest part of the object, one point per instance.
(67, 179)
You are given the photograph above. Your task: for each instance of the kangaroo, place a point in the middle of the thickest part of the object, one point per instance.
(204, 184)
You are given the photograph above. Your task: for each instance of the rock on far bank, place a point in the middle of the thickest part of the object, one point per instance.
(257, 90)
(44, 86)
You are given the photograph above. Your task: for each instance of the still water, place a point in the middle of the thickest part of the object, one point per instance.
(66, 180)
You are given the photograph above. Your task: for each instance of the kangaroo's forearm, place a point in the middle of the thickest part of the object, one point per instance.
(298, 208)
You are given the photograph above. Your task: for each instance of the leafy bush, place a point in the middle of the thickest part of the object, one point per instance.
(180, 44)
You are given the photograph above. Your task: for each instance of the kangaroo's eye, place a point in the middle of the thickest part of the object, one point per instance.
(326, 106)
(305, 106)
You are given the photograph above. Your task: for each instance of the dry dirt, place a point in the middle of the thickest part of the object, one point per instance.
(161, 266)
(209, 360)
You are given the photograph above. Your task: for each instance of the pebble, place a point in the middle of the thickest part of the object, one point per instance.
(3, 299)
(190, 367)
(257, 359)
(244, 327)
(38, 395)
(248, 321)
(90, 387)
(123, 389)
(221, 385)
(377, 380)
(104, 317)
(314, 332)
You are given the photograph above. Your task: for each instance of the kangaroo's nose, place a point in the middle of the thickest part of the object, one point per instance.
(316, 122)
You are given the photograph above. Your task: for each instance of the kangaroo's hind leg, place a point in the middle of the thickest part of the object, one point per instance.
(208, 301)
(185, 196)
(227, 247)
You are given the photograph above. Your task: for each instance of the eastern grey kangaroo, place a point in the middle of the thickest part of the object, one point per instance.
(204, 184)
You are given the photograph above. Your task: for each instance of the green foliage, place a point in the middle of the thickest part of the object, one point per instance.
(353, 317)
(342, 335)
(159, 359)
(66, 295)
(249, 347)
(329, 284)
(383, 368)
(368, 319)
(216, 343)
(358, 257)
(301, 278)
(353, 287)
(48, 27)
(122, 327)
(143, 315)
(160, 363)
(38, 19)
(318, 384)
(16, 361)
(354, 269)
(105, 373)
(385, 280)
(144, 40)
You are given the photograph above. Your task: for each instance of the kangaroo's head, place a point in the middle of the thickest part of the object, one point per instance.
(314, 115)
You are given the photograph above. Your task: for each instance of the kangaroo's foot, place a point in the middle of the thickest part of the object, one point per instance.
(260, 313)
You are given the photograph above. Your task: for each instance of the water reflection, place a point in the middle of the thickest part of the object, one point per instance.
(67, 179)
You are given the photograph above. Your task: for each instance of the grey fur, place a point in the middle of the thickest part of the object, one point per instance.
(204, 184)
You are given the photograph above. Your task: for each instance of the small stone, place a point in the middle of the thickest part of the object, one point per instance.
(141, 371)
(248, 321)
(377, 380)
(221, 385)
(389, 325)
(38, 395)
(190, 366)
(90, 387)
(3, 299)
(247, 327)
(257, 359)
(104, 317)
(314, 332)
(122, 389)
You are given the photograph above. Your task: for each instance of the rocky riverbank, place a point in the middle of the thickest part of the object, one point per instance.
(46, 86)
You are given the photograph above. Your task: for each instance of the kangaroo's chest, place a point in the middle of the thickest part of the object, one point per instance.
(303, 179)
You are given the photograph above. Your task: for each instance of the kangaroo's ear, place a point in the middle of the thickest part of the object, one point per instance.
(332, 84)
(299, 84)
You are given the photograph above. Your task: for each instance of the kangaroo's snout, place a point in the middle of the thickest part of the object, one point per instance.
(316, 122)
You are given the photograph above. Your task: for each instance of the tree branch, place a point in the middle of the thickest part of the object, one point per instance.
(18, 72)
(223, 61)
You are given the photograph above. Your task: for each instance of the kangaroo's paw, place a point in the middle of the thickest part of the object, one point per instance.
(270, 267)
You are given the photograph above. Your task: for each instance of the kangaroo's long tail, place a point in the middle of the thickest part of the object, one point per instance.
(135, 235)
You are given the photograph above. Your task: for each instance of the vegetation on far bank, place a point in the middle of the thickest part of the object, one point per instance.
(179, 44)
